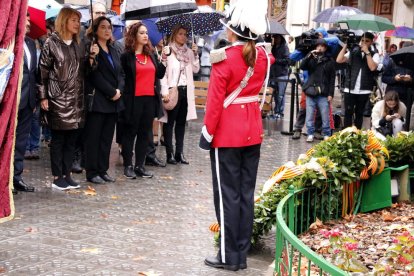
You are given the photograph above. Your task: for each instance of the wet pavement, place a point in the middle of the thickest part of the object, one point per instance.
(157, 226)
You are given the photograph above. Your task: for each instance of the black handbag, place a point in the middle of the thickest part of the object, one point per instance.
(90, 100)
(386, 130)
(313, 90)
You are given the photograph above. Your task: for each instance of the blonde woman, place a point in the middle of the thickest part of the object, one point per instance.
(181, 66)
(61, 94)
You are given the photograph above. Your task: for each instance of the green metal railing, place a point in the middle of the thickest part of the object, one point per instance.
(294, 214)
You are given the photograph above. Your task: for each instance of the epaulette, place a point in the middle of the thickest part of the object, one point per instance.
(218, 55)
(266, 45)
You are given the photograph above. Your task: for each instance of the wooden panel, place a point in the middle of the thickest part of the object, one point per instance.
(384, 8)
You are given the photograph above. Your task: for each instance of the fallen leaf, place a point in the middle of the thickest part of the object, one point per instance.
(91, 250)
(90, 191)
(114, 197)
(167, 177)
(2, 269)
(139, 258)
(149, 273)
(387, 216)
(103, 215)
(73, 191)
(317, 224)
(30, 229)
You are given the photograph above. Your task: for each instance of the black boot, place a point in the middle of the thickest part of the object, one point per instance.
(171, 159)
(179, 157)
(142, 172)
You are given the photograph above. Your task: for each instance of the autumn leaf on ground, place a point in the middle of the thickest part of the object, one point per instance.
(387, 217)
(317, 224)
(114, 197)
(104, 215)
(90, 191)
(167, 177)
(2, 269)
(91, 250)
(349, 217)
(149, 273)
(139, 258)
(73, 191)
(30, 229)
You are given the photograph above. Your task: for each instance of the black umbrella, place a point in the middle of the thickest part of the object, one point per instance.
(275, 27)
(142, 9)
(404, 57)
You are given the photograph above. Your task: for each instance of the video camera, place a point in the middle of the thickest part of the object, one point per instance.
(346, 36)
(306, 42)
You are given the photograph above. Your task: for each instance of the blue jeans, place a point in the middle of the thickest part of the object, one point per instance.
(320, 102)
(33, 142)
(280, 98)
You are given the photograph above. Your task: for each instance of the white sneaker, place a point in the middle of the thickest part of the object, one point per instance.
(309, 139)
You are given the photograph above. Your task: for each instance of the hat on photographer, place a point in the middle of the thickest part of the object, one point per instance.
(321, 41)
(247, 19)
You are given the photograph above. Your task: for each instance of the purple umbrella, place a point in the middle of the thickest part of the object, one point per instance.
(401, 32)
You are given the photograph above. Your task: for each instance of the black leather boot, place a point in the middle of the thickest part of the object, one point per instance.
(180, 158)
(171, 159)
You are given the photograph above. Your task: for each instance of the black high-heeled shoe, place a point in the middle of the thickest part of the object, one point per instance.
(171, 159)
(180, 158)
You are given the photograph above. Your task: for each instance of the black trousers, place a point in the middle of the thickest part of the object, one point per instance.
(234, 179)
(24, 121)
(99, 132)
(62, 150)
(176, 117)
(139, 127)
(354, 104)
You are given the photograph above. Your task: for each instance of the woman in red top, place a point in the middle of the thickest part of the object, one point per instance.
(142, 97)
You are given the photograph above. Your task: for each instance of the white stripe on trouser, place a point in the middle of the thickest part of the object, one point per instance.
(222, 237)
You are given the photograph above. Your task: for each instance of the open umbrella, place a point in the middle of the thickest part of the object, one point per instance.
(86, 14)
(153, 33)
(156, 8)
(44, 5)
(404, 57)
(37, 22)
(275, 27)
(200, 23)
(368, 22)
(401, 32)
(334, 14)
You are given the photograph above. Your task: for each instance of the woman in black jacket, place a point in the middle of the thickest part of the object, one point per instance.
(104, 86)
(142, 97)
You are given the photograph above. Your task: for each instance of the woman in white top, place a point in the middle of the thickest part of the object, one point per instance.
(388, 115)
(181, 65)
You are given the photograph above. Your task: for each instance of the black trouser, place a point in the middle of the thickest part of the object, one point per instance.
(151, 148)
(62, 150)
(177, 116)
(234, 191)
(99, 132)
(354, 104)
(24, 120)
(140, 125)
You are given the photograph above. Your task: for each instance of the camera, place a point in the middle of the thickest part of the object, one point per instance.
(346, 36)
(306, 42)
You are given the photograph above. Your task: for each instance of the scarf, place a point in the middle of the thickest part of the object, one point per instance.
(181, 52)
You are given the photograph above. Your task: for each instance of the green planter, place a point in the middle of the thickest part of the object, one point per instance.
(376, 193)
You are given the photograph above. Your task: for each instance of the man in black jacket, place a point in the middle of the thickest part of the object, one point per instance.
(360, 78)
(319, 88)
(26, 108)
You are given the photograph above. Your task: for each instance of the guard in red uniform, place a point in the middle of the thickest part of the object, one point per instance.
(233, 129)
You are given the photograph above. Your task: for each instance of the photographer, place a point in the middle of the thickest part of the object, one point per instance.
(360, 78)
(319, 88)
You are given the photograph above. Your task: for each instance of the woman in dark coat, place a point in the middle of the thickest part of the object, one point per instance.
(61, 94)
(142, 97)
(104, 87)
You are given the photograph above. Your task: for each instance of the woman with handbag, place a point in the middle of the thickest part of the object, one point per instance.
(142, 97)
(61, 93)
(319, 88)
(181, 65)
(388, 115)
(104, 85)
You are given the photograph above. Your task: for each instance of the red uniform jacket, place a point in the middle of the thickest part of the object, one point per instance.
(239, 125)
